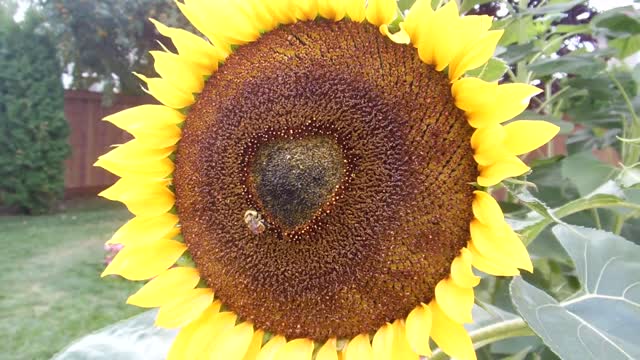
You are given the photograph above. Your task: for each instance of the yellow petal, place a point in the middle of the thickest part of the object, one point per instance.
(166, 287)
(328, 351)
(255, 345)
(283, 11)
(446, 21)
(486, 265)
(487, 143)
(435, 43)
(382, 344)
(475, 54)
(524, 136)
(145, 116)
(260, 14)
(269, 350)
(461, 272)
(400, 37)
(142, 229)
(179, 71)
(473, 94)
(508, 101)
(500, 242)
(356, 10)
(504, 168)
(187, 338)
(218, 324)
(454, 300)
(196, 14)
(401, 347)
(142, 262)
(157, 169)
(166, 93)
(419, 14)
(418, 327)
(135, 159)
(486, 209)
(232, 344)
(226, 21)
(297, 349)
(359, 348)
(142, 197)
(332, 9)
(450, 336)
(185, 308)
(191, 46)
(381, 12)
(307, 9)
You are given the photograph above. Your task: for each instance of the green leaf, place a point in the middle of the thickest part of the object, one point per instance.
(626, 46)
(584, 65)
(405, 4)
(493, 70)
(619, 21)
(131, 339)
(601, 321)
(470, 4)
(586, 172)
(554, 8)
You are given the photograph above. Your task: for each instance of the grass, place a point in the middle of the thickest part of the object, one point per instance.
(50, 287)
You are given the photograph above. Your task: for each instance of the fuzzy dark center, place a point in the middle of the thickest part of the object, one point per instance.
(295, 178)
(323, 180)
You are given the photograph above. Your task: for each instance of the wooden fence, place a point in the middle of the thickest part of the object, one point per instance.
(91, 137)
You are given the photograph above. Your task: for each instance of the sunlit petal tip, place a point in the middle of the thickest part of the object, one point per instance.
(400, 37)
(418, 328)
(166, 287)
(461, 272)
(271, 348)
(359, 348)
(301, 349)
(454, 300)
(401, 347)
(500, 244)
(523, 136)
(381, 12)
(495, 173)
(184, 309)
(234, 343)
(486, 209)
(476, 54)
(480, 262)
(143, 262)
(356, 10)
(450, 336)
(382, 344)
(328, 351)
(418, 17)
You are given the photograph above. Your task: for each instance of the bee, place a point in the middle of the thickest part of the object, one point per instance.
(254, 222)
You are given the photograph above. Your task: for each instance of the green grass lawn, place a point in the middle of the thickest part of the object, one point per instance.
(50, 286)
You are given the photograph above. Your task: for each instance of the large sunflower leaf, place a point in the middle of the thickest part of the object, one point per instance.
(132, 339)
(601, 321)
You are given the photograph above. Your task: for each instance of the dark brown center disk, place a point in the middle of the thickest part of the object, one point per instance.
(358, 164)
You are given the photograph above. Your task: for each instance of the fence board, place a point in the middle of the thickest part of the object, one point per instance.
(91, 137)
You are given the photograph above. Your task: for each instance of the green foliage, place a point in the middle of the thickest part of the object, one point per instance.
(33, 130)
(100, 39)
(601, 320)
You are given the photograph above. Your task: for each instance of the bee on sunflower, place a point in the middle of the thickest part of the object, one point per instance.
(318, 171)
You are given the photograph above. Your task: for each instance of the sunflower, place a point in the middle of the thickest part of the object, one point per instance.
(314, 183)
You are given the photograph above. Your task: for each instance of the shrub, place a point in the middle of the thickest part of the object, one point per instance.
(33, 130)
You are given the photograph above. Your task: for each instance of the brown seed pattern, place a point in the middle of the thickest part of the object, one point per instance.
(381, 229)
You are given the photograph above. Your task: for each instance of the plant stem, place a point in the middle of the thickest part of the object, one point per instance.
(492, 333)
(603, 201)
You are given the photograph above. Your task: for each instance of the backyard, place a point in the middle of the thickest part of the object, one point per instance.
(51, 291)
